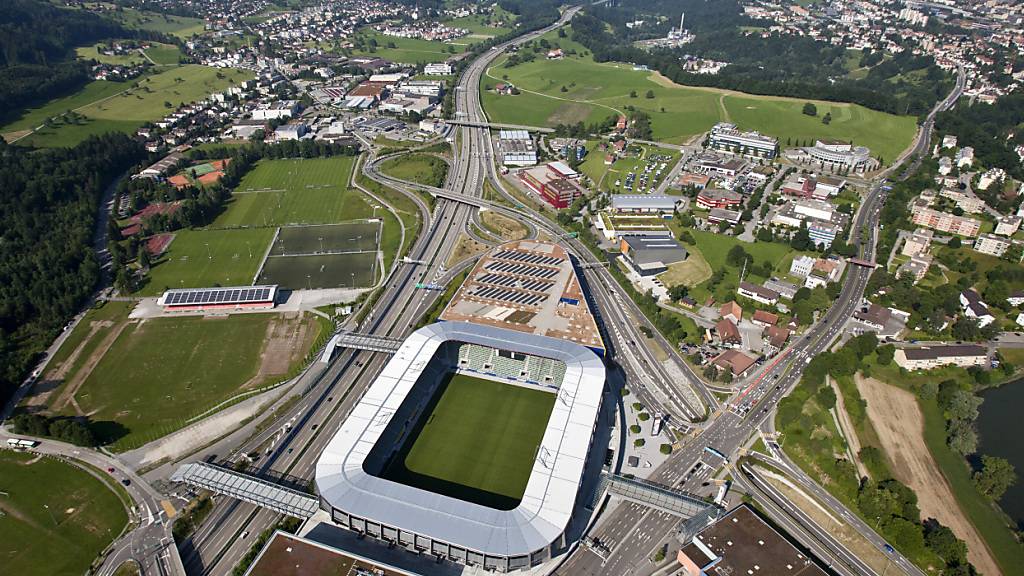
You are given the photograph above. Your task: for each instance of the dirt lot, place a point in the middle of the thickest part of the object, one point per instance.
(287, 340)
(506, 227)
(897, 418)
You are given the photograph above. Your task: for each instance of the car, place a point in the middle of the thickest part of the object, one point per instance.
(315, 426)
(329, 398)
(245, 534)
(889, 549)
(126, 482)
(290, 450)
(110, 469)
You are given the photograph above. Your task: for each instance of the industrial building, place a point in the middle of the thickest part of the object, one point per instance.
(725, 137)
(651, 255)
(516, 148)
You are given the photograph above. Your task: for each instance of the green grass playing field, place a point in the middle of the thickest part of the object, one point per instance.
(203, 258)
(86, 516)
(117, 106)
(328, 238)
(477, 442)
(593, 91)
(296, 191)
(160, 372)
(358, 270)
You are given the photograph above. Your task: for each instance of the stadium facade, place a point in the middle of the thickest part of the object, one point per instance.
(354, 493)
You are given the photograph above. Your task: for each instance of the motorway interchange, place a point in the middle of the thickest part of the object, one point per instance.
(290, 441)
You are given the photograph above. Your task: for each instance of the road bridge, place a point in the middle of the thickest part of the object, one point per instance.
(499, 126)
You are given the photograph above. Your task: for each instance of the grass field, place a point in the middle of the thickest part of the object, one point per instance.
(160, 54)
(296, 191)
(112, 106)
(477, 442)
(479, 25)
(421, 168)
(202, 258)
(179, 26)
(82, 517)
(715, 247)
(412, 50)
(162, 371)
(595, 90)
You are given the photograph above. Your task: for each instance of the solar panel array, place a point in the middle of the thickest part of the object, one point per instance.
(528, 258)
(513, 282)
(521, 269)
(511, 296)
(217, 296)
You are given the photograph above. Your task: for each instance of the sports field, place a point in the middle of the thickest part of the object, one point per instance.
(327, 239)
(593, 91)
(160, 372)
(203, 258)
(54, 518)
(476, 441)
(117, 106)
(296, 191)
(354, 270)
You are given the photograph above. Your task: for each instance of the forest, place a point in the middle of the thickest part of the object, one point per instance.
(48, 205)
(775, 65)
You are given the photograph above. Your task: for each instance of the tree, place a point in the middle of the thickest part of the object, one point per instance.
(826, 119)
(639, 442)
(826, 397)
(941, 540)
(954, 242)
(634, 429)
(649, 95)
(678, 292)
(632, 93)
(810, 109)
(886, 354)
(995, 476)
(961, 437)
(665, 448)
(736, 256)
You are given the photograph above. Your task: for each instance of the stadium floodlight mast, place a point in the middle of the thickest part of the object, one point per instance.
(50, 512)
(321, 244)
(209, 254)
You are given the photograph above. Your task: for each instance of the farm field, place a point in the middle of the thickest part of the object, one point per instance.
(83, 516)
(120, 107)
(203, 258)
(160, 372)
(593, 91)
(476, 441)
(296, 191)
(420, 168)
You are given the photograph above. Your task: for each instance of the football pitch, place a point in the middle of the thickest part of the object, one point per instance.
(55, 517)
(475, 441)
(296, 191)
(327, 239)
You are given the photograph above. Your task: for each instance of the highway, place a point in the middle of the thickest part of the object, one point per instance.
(301, 433)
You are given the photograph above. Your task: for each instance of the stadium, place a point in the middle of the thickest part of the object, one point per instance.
(472, 443)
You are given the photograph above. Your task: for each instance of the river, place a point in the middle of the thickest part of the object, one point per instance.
(999, 427)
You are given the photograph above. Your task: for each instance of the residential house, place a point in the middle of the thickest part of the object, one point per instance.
(927, 358)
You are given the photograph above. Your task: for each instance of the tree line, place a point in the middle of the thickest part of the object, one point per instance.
(48, 205)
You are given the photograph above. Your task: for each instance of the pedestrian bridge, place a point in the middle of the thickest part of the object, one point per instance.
(654, 495)
(359, 341)
(247, 489)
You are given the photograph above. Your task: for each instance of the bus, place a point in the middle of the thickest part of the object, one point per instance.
(21, 443)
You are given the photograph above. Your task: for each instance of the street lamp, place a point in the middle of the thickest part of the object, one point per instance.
(50, 512)
(321, 244)
(309, 283)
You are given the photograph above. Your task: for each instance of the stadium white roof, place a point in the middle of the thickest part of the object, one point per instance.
(551, 491)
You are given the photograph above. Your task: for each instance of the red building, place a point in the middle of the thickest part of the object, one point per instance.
(709, 198)
(551, 185)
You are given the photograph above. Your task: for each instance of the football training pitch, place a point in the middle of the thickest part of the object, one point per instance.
(56, 517)
(475, 441)
(327, 256)
(296, 191)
